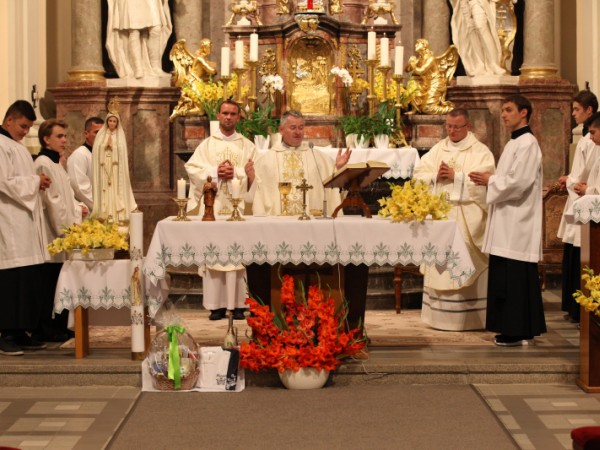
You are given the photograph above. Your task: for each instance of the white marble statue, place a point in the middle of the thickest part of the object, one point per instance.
(137, 35)
(474, 34)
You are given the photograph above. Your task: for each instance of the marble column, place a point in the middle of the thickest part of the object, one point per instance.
(187, 18)
(86, 49)
(538, 51)
(436, 17)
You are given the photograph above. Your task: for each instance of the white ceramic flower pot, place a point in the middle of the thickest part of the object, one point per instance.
(382, 141)
(351, 140)
(362, 142)
(304, 378)
(214, 127)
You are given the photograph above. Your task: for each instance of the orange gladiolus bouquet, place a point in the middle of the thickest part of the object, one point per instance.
(305, 333)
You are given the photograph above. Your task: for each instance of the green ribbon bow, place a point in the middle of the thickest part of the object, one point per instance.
(174, 362)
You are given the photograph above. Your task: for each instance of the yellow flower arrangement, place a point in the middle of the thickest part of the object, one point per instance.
(91, 233)
(591, 303)
(414, 201)
(207, 95)
(406, 93)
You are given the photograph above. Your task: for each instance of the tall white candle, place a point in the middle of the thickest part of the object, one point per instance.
(181, 188)
(239, 54)
(225, 54)
(236, 187)
(384, 46)
(371, 49)
(136, 234)
(254, 47)
(399, 60)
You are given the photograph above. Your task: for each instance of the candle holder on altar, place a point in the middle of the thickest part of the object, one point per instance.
(371, 63)
(252, 94)
(239, 71)
(384, 74)
(235, 214)
(401, 139)
(182, 213)
(225, 79)
(224, 211)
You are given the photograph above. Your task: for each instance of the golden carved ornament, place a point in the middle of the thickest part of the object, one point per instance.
(308, 23)
(282, 7)
(190, 68)
(379, 8)
(336, 6)
(114, 106)
(247, 9)
(268, 63)
(355, 63)
(505, 11)
(432, 75)
(310, 88)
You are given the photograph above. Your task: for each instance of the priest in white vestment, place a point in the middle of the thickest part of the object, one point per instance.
(446, 305)
(227, 157)
(290, 161)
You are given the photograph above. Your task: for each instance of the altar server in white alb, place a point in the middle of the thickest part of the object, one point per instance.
(291, 161)
(585, 104)
(227, 157)
(513, 236)
(61, 209)
(592, 187)
(79, 164)
(22, 237)
(446, 304)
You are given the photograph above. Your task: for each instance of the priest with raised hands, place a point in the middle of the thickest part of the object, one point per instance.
(291, 161)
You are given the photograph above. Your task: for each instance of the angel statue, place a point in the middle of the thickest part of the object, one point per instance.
(188, 69)
(433, 75)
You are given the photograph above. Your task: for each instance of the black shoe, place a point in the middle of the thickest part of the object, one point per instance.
(28, 343)
(217, 314)
(9, 348)
(238, 314)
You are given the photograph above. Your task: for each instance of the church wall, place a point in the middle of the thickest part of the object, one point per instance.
(568, 41)
(58, 59)
(588, 43)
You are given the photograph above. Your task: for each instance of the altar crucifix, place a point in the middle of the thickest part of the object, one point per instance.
(304, 187)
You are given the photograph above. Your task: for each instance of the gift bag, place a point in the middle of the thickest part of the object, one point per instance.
(219, 369)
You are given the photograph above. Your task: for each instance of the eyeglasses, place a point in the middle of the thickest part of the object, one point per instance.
(456, 127)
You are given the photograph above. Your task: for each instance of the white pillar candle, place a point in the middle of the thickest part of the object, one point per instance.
(236, 187)
(371, 50)
(181, 188)
(239, 54)
(399, 60)
(136, 234)
(225, 53)
(254, 47)
(384, 47)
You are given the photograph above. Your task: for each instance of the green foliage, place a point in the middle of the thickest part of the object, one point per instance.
(258, 123)
(355, 125)
(383, 121)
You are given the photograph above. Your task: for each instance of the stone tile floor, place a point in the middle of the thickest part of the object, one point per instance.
(538, 416)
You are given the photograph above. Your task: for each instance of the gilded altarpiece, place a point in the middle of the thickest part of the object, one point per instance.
(310, 86)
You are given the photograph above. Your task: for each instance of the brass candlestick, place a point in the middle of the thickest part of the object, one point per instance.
(252, 94)
(371, 63)
(224, 211)
(182, 213)
(225, 79)
(239, 71)
(235, 215)
(400, 134)
(285, 187)
(384, 73)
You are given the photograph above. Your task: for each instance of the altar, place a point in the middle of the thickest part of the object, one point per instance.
(348, 240)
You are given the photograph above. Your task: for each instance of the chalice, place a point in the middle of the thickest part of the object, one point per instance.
(285, 187)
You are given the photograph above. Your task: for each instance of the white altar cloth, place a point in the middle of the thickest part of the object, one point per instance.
(94, 284)
(402, 161)
(287, 240)
(586, 209)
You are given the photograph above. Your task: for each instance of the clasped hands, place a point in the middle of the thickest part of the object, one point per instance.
(226, 171)
(445, 172)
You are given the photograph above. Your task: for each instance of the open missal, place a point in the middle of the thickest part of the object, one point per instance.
(353, 177)
(364, 173)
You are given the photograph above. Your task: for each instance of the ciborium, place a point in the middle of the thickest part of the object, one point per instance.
(235, 215)
(182, 213)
